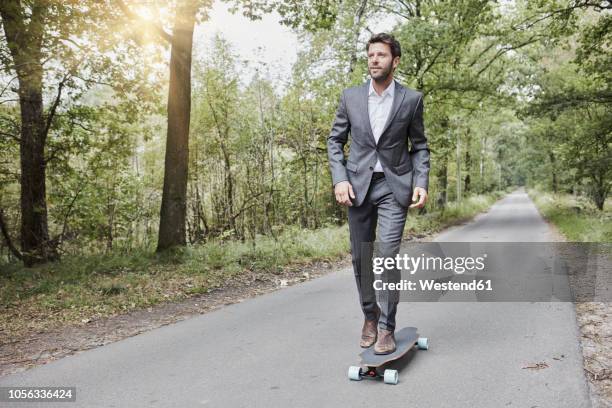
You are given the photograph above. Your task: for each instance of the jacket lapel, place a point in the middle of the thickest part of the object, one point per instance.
(366, 109)
(398, 98)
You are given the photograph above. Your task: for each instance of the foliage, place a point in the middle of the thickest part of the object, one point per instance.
(515, 93)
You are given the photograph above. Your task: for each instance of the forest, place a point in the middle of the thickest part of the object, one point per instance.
(115, 137)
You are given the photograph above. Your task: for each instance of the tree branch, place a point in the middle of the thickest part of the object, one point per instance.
(60, 238)
(7, 237)
(483, 52)
(504, 50)
(600, 6)
(7, 85)
(432, 63)
(54, 106)
(12, 136)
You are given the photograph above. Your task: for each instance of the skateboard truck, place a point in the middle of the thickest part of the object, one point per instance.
(357, 373)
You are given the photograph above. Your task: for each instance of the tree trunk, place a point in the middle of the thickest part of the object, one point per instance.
(600, 189)
(553, 165)
(35, 244)
(483, 149)
(314, 195)
(24, 38)
(229, 186)
(468, 164)
(442, 177)
(110, 222)
(304, 215)
(458, 166)
(174, 196)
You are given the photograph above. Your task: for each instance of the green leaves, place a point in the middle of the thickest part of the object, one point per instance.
(311, 15)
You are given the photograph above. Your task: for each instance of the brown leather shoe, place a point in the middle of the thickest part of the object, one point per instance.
(368, 332)
(385, 343)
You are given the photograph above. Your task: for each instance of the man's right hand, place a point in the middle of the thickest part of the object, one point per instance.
(344, 193)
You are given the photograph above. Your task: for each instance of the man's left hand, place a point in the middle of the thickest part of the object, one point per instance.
(419, 197)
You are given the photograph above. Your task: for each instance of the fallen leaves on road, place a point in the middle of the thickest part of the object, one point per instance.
(536, 366)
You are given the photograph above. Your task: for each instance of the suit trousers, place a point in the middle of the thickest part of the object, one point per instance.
(380, 210)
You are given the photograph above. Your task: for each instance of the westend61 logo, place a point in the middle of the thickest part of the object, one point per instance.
(458, 265)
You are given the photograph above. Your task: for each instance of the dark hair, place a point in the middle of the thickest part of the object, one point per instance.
(396, 50)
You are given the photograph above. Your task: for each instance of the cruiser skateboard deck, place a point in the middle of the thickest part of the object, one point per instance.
(372, 364)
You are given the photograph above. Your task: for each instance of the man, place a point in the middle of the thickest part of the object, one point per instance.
(381, 174)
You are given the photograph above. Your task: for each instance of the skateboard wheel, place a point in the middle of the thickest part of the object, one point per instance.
(391, 377)
(354, 373)
(423, 343)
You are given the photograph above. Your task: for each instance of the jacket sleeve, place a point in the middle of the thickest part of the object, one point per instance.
(419, 151)
(336, 141)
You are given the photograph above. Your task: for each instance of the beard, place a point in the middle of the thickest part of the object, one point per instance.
(382, 74)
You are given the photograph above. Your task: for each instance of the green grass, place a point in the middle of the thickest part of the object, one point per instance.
(453, 213)
(576, 217)
(80, 288)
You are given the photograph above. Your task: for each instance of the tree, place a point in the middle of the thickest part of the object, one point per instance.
(173, 211)
(24, 30)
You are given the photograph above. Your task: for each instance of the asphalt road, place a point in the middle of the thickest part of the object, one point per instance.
(292, 348)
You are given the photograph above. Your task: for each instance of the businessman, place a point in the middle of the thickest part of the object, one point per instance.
(382, 178)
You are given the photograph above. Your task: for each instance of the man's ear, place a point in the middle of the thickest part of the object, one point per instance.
(396, 62)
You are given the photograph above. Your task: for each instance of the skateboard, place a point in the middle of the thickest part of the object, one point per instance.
(372, 364)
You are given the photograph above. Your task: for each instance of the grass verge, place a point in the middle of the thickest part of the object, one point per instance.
(576, 217)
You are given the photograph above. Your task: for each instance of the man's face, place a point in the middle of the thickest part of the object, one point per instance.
(380, 61)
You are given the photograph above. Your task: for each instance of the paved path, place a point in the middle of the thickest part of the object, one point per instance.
(292, 348)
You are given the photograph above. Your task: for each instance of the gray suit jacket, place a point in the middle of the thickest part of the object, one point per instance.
(403, 168)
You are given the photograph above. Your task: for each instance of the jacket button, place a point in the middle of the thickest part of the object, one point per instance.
(371, 168)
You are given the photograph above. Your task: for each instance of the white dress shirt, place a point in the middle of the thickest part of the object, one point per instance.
(379, 107)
